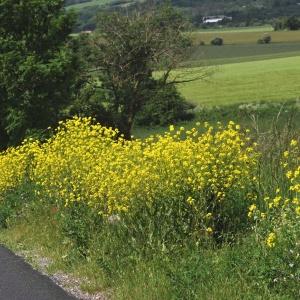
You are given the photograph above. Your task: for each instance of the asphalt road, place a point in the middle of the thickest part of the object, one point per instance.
(18, 281)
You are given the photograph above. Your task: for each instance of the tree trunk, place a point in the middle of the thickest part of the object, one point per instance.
(125, 126)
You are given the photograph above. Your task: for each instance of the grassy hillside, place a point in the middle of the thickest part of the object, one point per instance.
(243, 13)
(82, 5)
(99, 3)
(269, 80)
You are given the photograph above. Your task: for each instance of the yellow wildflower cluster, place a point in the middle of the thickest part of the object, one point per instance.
(271, 240)
(15, 165)
(283, 210)
(292, 163)
(252, 209)
(87, 162)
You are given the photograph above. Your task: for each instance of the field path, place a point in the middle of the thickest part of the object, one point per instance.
(18, 281)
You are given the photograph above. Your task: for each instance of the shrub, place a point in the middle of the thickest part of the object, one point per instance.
(260, 41)
(217, 41)
(266, 39)
(167, 107)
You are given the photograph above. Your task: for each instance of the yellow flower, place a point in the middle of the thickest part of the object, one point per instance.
(190, 201)
(294, 143)
(252, 208)
(271, 240)
(208, 215)
(209, 230)
(277, 200)
(263, 215)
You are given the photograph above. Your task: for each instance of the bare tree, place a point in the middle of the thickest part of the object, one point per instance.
(134, 59)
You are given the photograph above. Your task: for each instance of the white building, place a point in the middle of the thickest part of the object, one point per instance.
(212, 21)
(215, 19)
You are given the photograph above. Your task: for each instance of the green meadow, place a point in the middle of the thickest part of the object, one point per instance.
(264, 28)
(210, 55)
(97, 3)
(242, 70)
(262, 80)
(87, 4)
(267, 77)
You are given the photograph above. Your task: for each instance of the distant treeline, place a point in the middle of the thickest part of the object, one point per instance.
(243, 12)
(291, 23)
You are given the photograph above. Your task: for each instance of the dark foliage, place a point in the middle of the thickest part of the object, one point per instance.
(167, 107)
(38, 67)
(217, 41)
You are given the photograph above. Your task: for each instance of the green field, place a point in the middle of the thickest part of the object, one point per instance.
(87, 4)
(264, 28)
(267, 80)
(210, 55)
(244, 71)
(98, 3)
(245, 37)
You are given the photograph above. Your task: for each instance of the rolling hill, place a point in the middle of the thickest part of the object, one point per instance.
(243, 12)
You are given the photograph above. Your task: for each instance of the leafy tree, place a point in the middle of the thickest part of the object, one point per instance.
(38, 67)
(293, 23)
(279, 24)
(129, 50)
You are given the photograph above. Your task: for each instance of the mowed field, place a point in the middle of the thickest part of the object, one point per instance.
(242, 70)
(246, 36)
(99, 3)
(263, 80)
(215, 55)
(90, 3)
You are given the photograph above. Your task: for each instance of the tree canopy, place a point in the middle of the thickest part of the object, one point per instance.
(38, 67)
